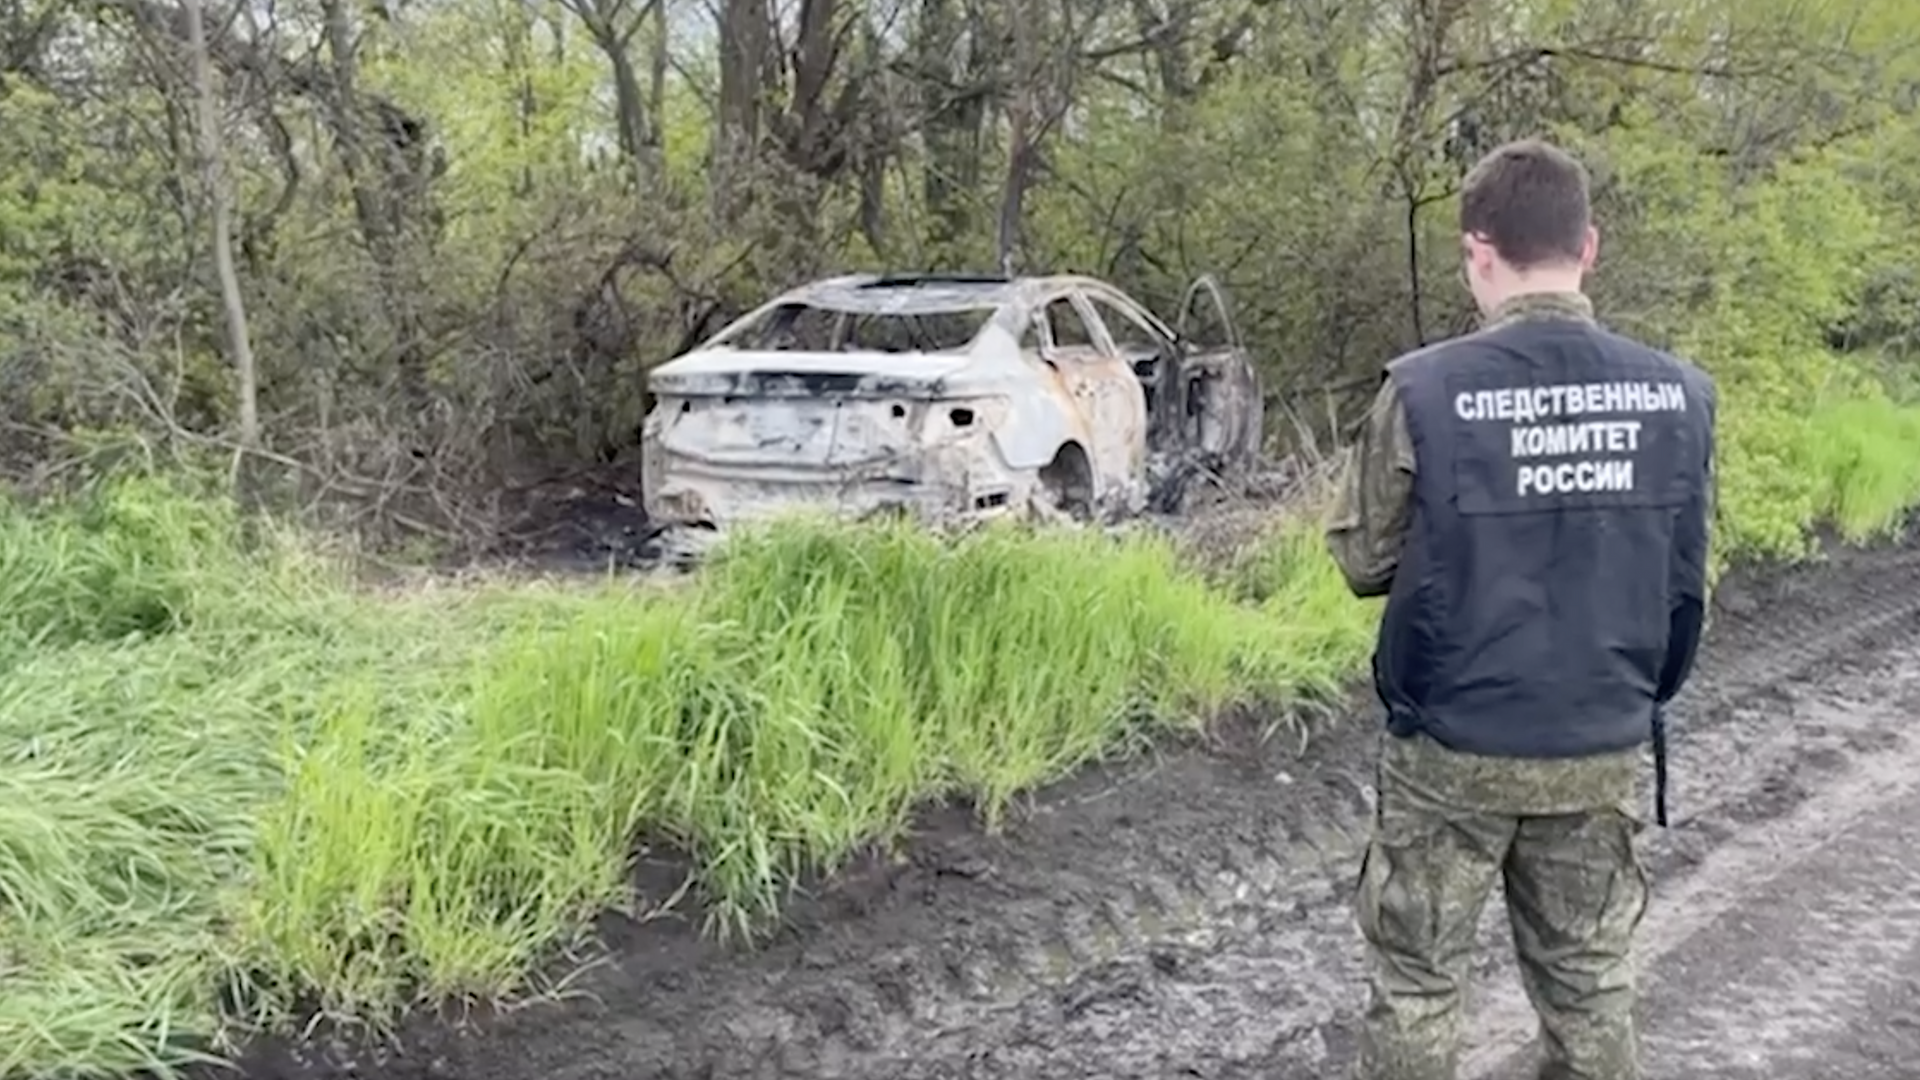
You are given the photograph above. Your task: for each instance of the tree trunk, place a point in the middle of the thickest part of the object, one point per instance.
(955, 113)
(636, 138)
(1022, 121)
(213, 176)
(378, 180)
(745, 37)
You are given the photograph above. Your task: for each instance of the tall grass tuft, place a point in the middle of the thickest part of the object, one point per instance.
(1863, 454)
(823, 680)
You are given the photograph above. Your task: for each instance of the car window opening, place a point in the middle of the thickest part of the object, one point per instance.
(799, 327)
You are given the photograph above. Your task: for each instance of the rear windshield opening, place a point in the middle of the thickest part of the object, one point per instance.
(805, 328)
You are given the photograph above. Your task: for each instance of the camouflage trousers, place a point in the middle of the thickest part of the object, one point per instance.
(1560, 836)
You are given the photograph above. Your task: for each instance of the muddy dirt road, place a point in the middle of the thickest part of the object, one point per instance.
(1792, 949)
(1186, 916)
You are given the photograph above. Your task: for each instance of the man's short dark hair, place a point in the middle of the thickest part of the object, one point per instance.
(1530, 200)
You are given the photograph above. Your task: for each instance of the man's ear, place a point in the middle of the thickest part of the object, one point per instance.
(1590, 250)
(1480, 256)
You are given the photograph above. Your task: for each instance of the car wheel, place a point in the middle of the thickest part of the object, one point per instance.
(1067, 482)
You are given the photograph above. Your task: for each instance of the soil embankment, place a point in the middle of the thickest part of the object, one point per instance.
(1185, 915)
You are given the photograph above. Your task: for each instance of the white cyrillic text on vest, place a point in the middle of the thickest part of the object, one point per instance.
(1529, 404)
(1552, 440)
(1603, 447)
(1611, 475)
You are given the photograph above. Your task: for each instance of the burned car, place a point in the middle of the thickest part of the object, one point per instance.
(949, 396)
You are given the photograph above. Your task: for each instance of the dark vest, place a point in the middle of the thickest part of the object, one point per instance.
(1529, 615)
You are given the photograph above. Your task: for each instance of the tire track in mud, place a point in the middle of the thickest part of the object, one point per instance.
(1718, 988)
(1183, 916)
(1825, 948)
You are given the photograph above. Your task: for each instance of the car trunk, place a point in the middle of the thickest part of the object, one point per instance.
(794, 408)
(738, 434)
(784, 434)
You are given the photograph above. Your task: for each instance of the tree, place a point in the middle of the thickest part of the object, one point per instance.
(213, 175)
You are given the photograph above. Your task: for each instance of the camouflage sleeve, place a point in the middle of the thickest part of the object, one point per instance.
(1373, 505)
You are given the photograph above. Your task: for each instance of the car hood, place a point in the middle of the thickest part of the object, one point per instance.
(738, 373)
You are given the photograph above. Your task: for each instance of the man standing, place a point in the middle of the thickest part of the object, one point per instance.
(1533, 500)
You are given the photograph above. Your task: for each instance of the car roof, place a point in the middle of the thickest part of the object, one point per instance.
(921, 293)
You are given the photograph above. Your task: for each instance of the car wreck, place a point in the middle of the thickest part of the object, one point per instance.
(950, 397)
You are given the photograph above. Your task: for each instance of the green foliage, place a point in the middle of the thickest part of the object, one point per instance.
(1791, 261)
(1770, 266)
(821, 682)
(483, 233)
(226, 775)
(77, 189)
(1861, 456)
(140, 556)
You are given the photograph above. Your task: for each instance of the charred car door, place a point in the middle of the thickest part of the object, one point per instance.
(1150, 350)
(1103, 389)
(1220, 413)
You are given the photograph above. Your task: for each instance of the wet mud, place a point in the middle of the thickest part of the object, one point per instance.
(1185, 914)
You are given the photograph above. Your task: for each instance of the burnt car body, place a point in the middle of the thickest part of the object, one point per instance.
(948, 396)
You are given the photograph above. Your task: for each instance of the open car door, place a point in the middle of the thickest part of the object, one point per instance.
(1224, 411)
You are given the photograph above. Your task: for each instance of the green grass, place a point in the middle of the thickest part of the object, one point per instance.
(1851, 464)
(1867, 456)
(233, 785)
